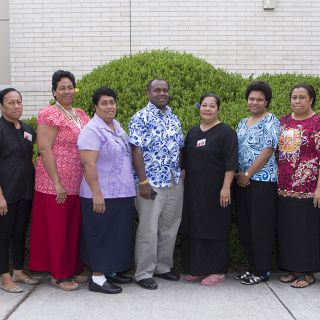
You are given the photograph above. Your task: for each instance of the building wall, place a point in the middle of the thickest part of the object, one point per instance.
(78, 35)
(4, 41)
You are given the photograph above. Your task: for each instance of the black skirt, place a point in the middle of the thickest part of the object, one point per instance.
(298, 235)
(106, 241)
(201, 257)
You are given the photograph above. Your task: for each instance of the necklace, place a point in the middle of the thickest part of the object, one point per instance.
(73, 117)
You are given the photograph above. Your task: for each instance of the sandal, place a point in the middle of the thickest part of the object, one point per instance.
(212, 279)
(255, 279)
(65, 284)
(16, 289)
(80, 278)
(190, 277)
(289, 277)
(242, 276)
(29, 281)
(303, 281)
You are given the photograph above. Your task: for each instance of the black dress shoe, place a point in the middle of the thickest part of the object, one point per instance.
(148, 283)
(107, 287)
(171, 276)
(119, 278)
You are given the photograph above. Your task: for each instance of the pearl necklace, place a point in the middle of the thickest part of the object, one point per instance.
(73, 117)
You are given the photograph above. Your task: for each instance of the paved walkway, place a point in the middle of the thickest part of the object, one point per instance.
(172, 301)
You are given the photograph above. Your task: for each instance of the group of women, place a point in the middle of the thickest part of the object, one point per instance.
(276, 193)
(84, 188)
(76, 157)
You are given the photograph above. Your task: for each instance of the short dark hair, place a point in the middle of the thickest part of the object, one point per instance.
(150, 83)
(309, 88)
(103, 91)
(213, 95)
(4, 92)
(260, 86)
(58, 75)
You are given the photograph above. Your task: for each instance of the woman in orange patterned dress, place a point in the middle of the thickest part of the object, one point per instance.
(298, 225)
(56, 215)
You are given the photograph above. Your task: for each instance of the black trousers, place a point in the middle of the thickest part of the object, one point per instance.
(13, 227)
(256, 216)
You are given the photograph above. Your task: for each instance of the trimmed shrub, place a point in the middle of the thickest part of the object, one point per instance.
(188, 77)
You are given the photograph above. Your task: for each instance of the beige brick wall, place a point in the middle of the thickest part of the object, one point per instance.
(78, 35)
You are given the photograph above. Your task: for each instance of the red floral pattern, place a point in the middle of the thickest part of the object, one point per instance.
(298, 156)
(64, 149)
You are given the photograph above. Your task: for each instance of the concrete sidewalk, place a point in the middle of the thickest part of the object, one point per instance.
(183, 300)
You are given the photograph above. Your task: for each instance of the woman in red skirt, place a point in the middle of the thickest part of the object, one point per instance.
(56, 216)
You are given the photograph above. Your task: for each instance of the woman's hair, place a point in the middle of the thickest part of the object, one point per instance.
(58, 75)
(309, 88)
(213, 95)
(6, 91)
(104, 91)
(260, 86)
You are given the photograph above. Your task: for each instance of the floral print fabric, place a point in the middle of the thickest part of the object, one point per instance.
(64, 149)
(160, 137)
(298, 156)
(252, 140)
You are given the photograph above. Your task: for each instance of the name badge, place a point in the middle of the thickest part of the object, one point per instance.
(201, 143)
(27, 136)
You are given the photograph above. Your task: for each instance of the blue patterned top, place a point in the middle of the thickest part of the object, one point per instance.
(263, 134)
(160, 137)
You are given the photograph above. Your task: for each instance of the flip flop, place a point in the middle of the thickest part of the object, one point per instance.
(63, 284)
(16, 289)
(289, 277)
(212, 280)
(29, 281)
(80, 278)
(303, 278)
(190, 277)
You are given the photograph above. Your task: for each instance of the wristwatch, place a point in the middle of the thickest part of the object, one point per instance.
(247, 174)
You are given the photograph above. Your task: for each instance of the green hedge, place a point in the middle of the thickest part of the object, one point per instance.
(189, 77)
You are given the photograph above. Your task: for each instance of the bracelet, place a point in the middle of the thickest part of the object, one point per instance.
(144, 182)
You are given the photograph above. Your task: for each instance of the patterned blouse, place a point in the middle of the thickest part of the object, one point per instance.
(298, 156)
(64, 150)
(160, 137)
(252, 140)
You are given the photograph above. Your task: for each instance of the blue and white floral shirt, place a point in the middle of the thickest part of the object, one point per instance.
(160, 137)
(252, 140)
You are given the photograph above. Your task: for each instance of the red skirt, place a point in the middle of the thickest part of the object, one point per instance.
(55, 235)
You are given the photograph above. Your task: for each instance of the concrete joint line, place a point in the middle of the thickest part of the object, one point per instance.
(8, 315)
(278, 298)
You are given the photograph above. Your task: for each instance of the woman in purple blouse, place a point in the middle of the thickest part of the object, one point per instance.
(107, 192)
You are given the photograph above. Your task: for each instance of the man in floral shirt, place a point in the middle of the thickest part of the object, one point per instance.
(156, 137)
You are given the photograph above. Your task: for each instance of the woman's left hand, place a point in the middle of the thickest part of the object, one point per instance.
(99, 205)
(316, 198)
(225, 197)
(243, 180)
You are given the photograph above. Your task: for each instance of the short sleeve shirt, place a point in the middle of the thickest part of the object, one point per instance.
(16, 166)
(252, 140)
(114, 163)
(64, 149)
(160, 137)
(298, 157)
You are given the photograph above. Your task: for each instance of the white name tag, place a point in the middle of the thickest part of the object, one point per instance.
(201, 143)
(27, 136)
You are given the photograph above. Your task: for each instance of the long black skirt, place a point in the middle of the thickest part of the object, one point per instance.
(204, 256)
(298, 235)
(106, 241)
